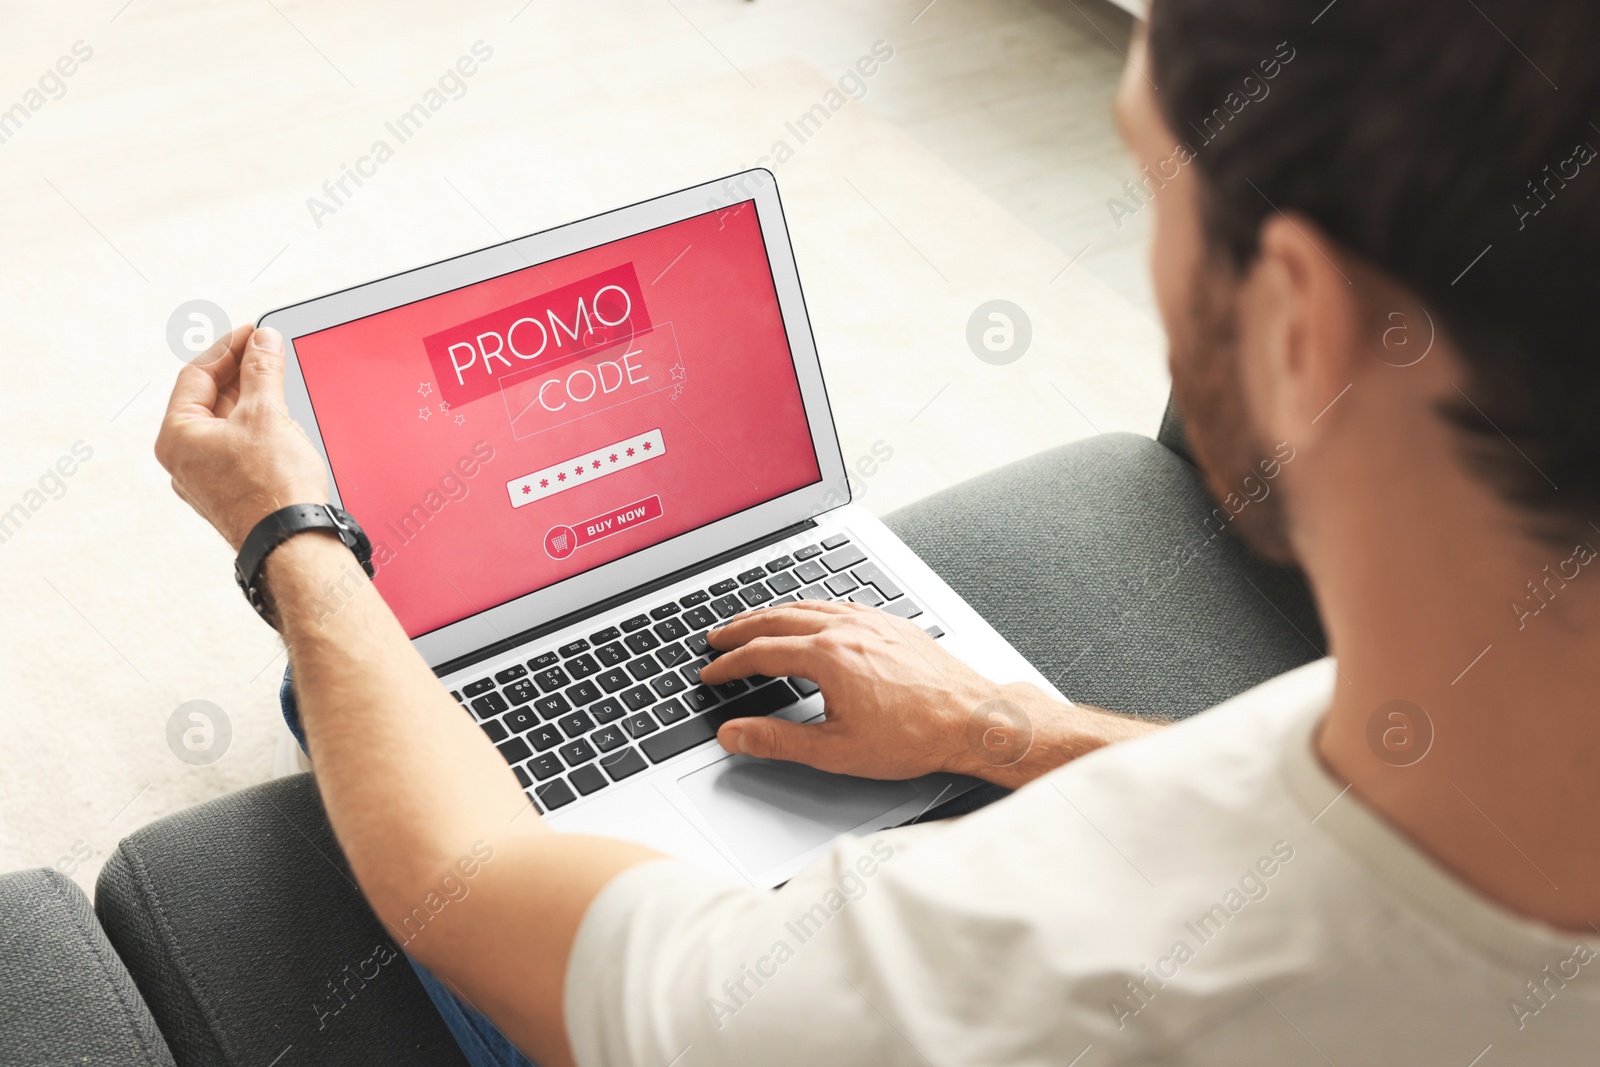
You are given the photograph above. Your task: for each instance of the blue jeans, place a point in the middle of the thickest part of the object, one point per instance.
(481, 1042)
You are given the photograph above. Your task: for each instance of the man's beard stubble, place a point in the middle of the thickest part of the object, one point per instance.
(1208, 389)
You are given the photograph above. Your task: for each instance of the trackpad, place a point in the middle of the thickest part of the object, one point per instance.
(768, 812)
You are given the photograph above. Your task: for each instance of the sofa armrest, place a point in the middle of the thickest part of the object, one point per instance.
(65, 997)
(242, 927)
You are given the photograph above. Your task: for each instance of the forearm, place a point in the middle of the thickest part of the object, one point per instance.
(1042, 734)
(413, 788)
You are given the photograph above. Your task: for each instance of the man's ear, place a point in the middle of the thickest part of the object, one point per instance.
(1302, 325)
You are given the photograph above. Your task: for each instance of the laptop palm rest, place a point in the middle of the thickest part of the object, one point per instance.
(768, 812)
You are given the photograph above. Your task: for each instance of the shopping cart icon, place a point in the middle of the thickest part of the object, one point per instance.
(560, 542)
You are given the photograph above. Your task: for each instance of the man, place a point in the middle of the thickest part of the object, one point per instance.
(1373, 248)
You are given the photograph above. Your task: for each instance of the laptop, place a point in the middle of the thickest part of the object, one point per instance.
(576, 452)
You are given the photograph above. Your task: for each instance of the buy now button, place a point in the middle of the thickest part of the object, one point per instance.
(563, 541)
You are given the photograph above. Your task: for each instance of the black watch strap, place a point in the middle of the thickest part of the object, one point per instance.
(283, 524)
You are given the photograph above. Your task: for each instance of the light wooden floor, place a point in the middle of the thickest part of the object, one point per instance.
(177, 164)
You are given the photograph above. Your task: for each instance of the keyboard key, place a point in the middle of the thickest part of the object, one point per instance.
(903, 608)
(540, 662)
(664, 610)
(727, 585)
(783, 600)
(582, 666)
(553, 795)
(782, 563)
(607, 739)
(552, 705)
(607, 710)
(630, 625)
(814, 592)
(754, 574)
(583, 693)
(697, 644)
(613, 680)
(640, 724)
(643, 641)
(489, 705)
(638, 697)
(840, 584)
(496, 732)
(727, 606)
(521, 692)
(612, 654)
(575, 725)
(847, 556)
(459, 698)
(572, 648)
(576, 752)
(699, 596)
(810, 571)
(869, 572)
(478, 688)
(544, 738)
(643, 667)
(514, 750)
(670, 711)
(520, 721)
(698, 618)
(587, 780)
(699, 698)
(610, 633)
(755, 594)
(552, 679)
(523, 778)
(686, 735)
(668, 684)
(731, 688)
(691, 671)
(804, 686)
(544, 767)
(622, 764)
(510, 674)
(808, 551)
(835, 541)
(670, 630)
(933, 632)
(868, 596)
(783, 583)
(672, 655)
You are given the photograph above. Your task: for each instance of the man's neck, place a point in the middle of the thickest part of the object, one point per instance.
(1423, 611)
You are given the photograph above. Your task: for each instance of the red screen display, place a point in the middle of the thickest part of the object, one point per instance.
(504, 436)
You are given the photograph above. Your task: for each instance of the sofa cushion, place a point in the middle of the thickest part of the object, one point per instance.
(245, 931)
(65, 997)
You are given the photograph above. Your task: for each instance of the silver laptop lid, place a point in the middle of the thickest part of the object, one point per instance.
(529, 429)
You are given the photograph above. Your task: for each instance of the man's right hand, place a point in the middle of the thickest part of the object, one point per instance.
(233, 452)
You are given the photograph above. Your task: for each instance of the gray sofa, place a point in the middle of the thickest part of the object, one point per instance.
(233, 934)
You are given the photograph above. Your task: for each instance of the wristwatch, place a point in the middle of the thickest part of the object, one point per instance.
(283, 524)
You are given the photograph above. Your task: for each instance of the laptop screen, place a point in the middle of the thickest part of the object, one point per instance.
(499, 438)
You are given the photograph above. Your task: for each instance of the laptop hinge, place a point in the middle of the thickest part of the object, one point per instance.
(603, 606)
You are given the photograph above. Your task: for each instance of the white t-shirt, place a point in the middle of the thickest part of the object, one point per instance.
(1206, 895)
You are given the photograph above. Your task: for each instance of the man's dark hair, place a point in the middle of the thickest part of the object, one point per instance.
(1417, 134)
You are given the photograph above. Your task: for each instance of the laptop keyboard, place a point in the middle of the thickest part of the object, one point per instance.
(598, 710)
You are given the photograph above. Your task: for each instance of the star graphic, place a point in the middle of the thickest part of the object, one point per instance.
(613, 457)
(647, 446)
(630, 451)
(424, 389)
(561, 477)
(596, 464)
(677, 372)
(527, 489)
(544, 483)
(423, 413)
(460, 419)
(444, 405)
(579, 470)
(677, 391)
